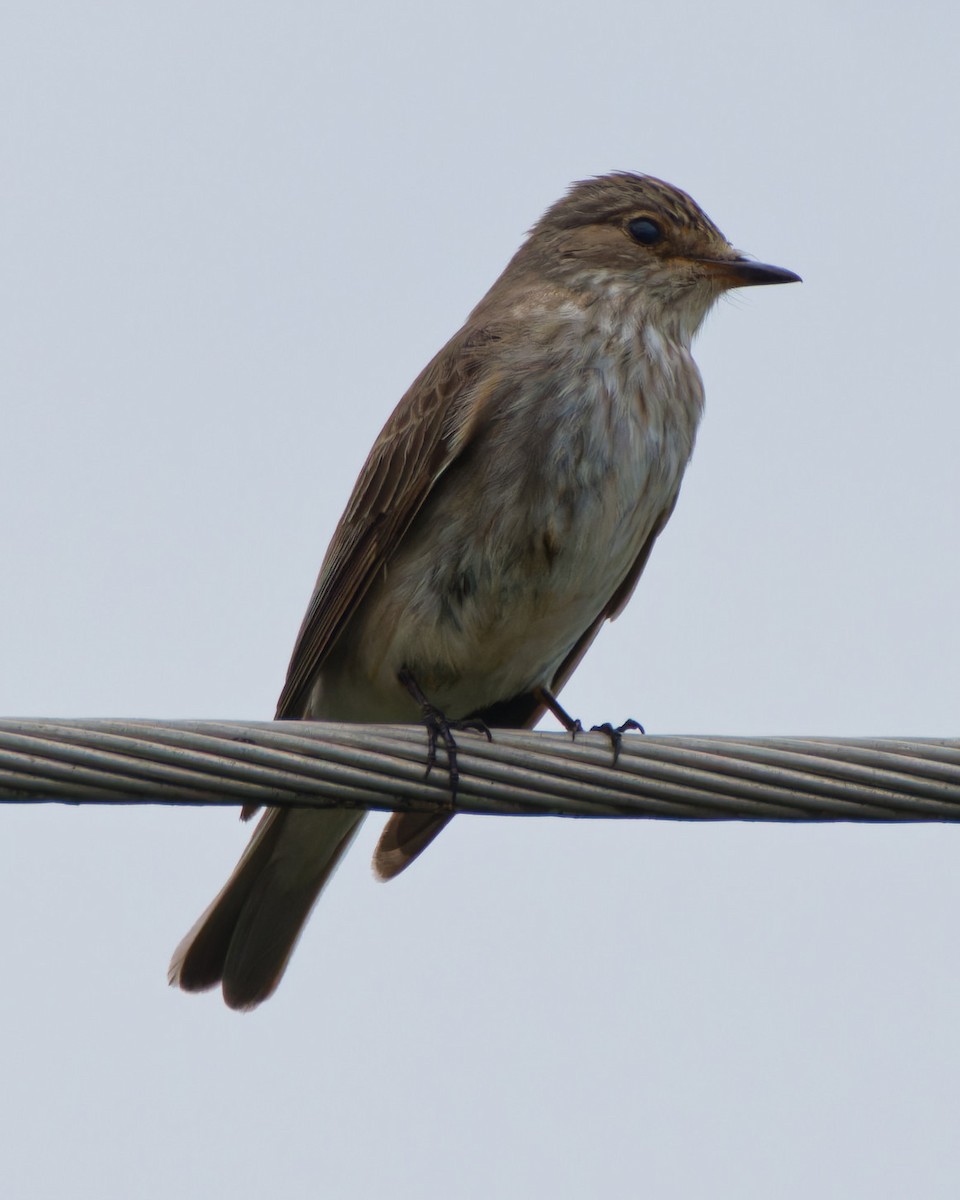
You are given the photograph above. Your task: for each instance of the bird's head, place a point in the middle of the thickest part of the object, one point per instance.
(637, 236)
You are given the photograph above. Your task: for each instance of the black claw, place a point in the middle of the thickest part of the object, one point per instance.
(439, 729)
(473, 725)
(616, 735)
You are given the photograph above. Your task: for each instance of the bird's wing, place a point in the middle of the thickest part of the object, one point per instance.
(427, 431)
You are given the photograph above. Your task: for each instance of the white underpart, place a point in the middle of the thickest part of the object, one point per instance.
(540, 523)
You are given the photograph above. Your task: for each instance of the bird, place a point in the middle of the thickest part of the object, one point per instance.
(505, 512)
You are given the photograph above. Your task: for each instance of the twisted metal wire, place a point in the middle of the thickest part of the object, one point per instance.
(518, 772)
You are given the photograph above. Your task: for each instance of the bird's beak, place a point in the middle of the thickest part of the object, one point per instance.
(743, 272)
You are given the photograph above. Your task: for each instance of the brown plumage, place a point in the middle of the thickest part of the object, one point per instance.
(504, 513)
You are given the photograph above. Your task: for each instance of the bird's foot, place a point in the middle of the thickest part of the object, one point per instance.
(440, 729)
(616, 734)
(573, 726)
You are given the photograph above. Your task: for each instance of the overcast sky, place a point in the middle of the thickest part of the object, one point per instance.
(230, 236)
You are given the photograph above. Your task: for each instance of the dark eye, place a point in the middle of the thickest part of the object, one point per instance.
(645, 231)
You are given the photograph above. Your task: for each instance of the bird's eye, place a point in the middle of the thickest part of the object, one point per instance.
(645, 231)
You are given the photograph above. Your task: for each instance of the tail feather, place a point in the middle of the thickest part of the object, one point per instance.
(198, 961)
(405, 836)
(245, 938)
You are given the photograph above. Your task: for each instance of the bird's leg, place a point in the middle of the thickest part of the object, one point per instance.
(573, 726)
(549, 701)
(440, 729)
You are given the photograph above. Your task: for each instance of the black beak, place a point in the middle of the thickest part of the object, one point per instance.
(743, 272)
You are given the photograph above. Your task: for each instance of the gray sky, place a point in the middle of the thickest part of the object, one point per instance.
(230, 236)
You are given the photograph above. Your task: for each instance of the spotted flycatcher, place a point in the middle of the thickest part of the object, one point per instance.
(506, 511)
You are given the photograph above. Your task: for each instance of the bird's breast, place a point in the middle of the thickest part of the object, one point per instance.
(526, 537)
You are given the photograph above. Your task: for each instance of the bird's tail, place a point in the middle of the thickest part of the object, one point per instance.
(405, 836)
(245, 938)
